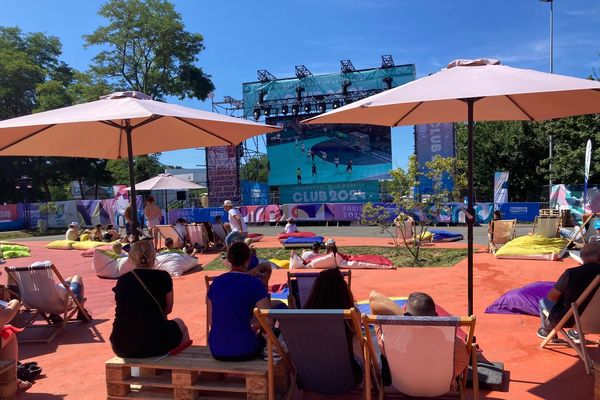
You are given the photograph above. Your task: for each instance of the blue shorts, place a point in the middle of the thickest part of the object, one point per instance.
(234, 237)
(76, 288)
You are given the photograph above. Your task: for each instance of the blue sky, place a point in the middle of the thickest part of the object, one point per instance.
(243, 36)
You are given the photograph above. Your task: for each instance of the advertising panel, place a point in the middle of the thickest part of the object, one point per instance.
(338, 193)
(222, 173)
(432, 140)
(501, 187)
(315, 154)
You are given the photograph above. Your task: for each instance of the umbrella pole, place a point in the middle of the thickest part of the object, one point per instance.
(132, 193)
(471, 217)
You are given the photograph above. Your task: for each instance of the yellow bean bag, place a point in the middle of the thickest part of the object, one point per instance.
(532, 247)
(88, 244)
(285, 264)
(61, 244)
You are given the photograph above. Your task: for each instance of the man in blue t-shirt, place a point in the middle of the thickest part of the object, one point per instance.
(231, 299)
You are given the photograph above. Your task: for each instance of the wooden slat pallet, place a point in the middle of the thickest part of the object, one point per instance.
(549, 212)
(191, 375)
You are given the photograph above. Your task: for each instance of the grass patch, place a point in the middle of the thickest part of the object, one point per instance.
(29, 234)
(430, 257)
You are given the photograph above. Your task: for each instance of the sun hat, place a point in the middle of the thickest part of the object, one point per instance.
(330, 242)
(227, 203)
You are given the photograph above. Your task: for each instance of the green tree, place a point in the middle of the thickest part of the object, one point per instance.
(145, 167)
(145, 47)
(512, 146)
(414, 214)
(256, 169)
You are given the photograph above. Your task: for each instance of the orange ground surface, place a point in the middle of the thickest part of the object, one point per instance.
(74, 362)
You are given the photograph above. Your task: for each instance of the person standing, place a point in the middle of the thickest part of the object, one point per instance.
(239, 230)
(312, 155)
(349, 166)
(314, 170)
(299, 176)
(336, 161)
(153, 214)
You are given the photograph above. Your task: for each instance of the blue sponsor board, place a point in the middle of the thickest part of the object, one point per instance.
(355, 192)
(197, 214)
(433, 140)
(255, 193)
(522, 212)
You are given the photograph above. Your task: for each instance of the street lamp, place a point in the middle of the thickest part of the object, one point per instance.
(551, 71)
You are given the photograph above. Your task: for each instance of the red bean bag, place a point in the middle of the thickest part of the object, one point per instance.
(283, 236)
(256, 237)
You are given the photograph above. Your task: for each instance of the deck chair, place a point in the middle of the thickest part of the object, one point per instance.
(546, 226)
(317, 349)
(587, 321)
(503, 231)
(405, 231)
(420, 354)
(300, 286)
(220, 232)
(580, 238)
(197, 235)
(208, 280)
(41, 294)
(168, 231)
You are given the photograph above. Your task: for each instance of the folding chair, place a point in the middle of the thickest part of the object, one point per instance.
(41, 294)
(546, 226)
(220, 232)
(420, 354)
(318, 350)
(300, 286)
(405, 230)
(208, 280)
(503, 231)
(586, 313)
(169, 231)
(197, 235)
(580, 238)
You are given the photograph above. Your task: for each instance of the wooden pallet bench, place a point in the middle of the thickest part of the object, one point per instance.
(191, 375)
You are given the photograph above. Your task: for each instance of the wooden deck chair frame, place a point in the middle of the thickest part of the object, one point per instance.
(511, 235)
(72, 305)
(208, 280)
(263, 318)
(581, 347)
(465, 322)
(538, 218)
(205, 242)
(294, 276)
(169, 231)
(578, 238)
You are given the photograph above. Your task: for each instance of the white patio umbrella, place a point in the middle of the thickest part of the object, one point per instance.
(122, 125)
(166, 182)
(473, 90)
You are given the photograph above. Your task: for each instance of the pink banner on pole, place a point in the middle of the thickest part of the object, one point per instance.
(222, 175)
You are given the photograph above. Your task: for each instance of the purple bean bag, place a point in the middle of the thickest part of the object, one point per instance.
(524, 300)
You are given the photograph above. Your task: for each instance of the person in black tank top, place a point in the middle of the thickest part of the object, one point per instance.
(144, 298)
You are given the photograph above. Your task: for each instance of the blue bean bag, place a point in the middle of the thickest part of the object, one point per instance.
(301, 241)
(445, 236)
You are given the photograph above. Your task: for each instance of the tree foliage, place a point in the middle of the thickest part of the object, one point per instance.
(410, 210)
(145, 47)
(145, 167)
(256, 169)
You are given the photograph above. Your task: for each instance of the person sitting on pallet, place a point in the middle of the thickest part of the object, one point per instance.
(9, 348)
(231, 299)
(144, 299)
(567, 290)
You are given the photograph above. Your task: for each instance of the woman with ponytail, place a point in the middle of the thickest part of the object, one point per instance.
(144, 299)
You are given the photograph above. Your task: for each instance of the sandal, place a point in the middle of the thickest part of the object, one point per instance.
(23, 386)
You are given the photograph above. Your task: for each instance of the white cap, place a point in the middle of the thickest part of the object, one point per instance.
(74, 224)
(227, 203)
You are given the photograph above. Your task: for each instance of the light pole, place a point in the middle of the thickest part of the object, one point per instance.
(551, 71)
